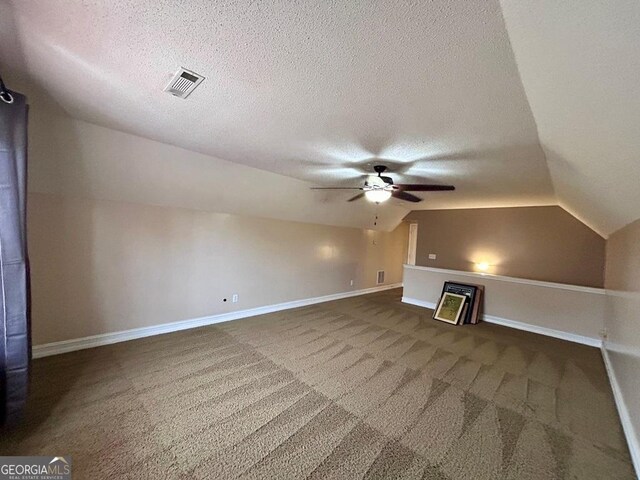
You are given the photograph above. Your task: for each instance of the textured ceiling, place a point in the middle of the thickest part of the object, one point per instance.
(76, 158)
(318, 91)
(580, 66)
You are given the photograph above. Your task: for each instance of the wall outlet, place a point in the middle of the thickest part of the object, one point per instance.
(234, 298)
(432, 256)
(603, 333)
(351, 283)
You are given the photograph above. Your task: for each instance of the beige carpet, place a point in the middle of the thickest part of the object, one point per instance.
(358, 388)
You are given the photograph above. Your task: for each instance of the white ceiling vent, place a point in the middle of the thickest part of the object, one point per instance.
(183, 83)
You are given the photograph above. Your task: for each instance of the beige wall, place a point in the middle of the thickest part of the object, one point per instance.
(125, 232)
(622, 321)
(538, 243)
(574, 311)
(76, 158)
(102, 266)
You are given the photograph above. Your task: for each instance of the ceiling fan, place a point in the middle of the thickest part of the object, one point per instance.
(381, 188)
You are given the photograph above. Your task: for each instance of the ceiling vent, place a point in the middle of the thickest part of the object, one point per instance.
(183, 83)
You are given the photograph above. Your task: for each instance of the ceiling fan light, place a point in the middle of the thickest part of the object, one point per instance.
(377, 195)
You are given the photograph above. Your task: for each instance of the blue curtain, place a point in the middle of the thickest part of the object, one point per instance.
(15, 328)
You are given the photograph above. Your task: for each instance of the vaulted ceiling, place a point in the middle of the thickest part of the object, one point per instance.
(320, 91)
(580, 66)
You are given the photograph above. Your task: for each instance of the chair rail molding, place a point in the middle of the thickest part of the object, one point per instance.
(570, 312)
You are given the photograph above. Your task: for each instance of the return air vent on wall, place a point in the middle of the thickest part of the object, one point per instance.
(380, 279)
(183, 83)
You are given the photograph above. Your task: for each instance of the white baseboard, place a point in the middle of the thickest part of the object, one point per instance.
(623, 413)
(419, 303)
(527, 327)
(549, 332)
(65, 346)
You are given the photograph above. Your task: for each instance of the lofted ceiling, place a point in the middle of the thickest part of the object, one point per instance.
(320, 91)
(580, 65)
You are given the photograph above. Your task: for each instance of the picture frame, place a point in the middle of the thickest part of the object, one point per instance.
(476, 311)
(450, 308)
(474, 293)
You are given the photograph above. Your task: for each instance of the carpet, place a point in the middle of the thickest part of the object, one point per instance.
(365, 387)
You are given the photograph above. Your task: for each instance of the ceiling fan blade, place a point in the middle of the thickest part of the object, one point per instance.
(401, 195)
(411, 187)
(337, 188)
(357, 197)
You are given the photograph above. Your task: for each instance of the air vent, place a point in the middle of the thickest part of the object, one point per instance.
(183, 83)
(380, 279)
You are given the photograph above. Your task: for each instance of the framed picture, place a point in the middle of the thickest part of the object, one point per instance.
(476, 310)
(450, 307)
(474, 293)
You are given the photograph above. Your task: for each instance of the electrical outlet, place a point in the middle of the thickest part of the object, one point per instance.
(603, 333)
(432, 256)
(234, 298)
(351, 283)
